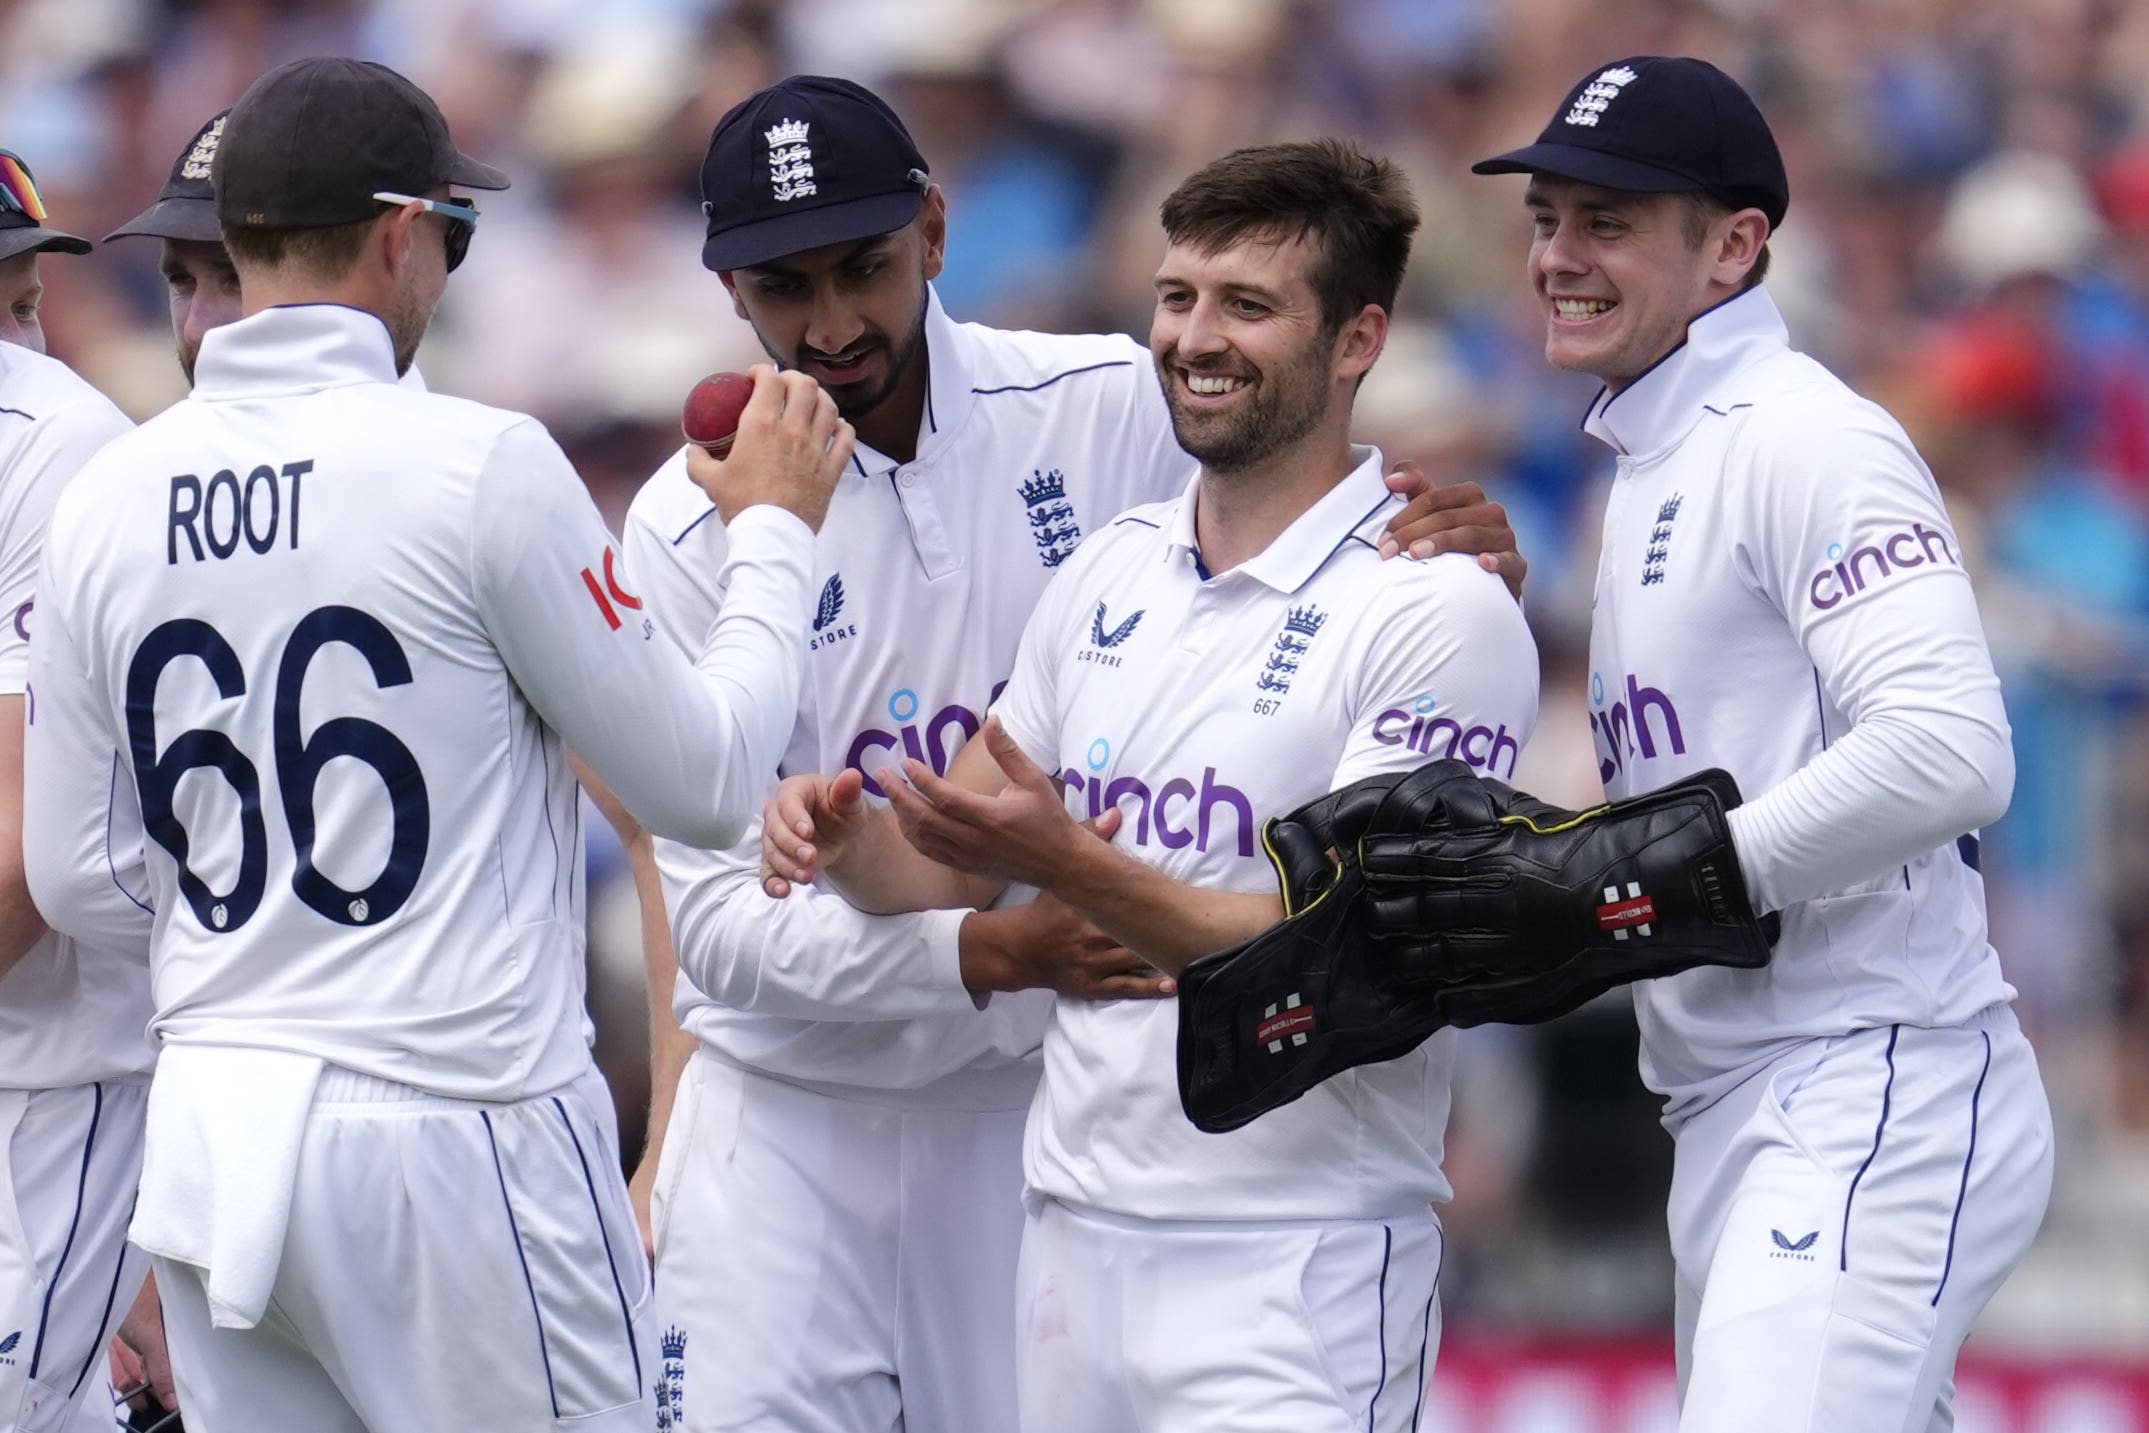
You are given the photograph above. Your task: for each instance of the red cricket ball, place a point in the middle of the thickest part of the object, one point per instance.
(711, 415)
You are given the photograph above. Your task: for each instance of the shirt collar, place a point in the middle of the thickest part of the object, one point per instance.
(949, 375)
(1706, 372)
(297, 348)
(1314, 536)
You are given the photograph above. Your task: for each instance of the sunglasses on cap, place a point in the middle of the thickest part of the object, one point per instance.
(461, 214)
(18, 191)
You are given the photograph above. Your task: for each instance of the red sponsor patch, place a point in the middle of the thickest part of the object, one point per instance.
(1283, 1025)
(1618, 915)
(609, 591)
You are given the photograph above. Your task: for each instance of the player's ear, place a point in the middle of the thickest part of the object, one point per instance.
(1739, 246)
(933, 229)
(397, 236)
(1360, 342)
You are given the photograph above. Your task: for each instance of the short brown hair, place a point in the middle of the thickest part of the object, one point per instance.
(1355, 206)
(328, 253)
(1703, 209)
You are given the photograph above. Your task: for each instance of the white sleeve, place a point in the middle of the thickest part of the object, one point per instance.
(1899, 650)
(55, 451)
(688, 749)
(813, 955)
(82, 820)
(1450, 645)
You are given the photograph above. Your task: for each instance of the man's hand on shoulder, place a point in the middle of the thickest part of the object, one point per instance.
(1455, 518)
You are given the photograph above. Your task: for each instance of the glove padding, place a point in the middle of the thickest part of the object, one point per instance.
(1452, 899)
(1265, 1021)
(1508, 909)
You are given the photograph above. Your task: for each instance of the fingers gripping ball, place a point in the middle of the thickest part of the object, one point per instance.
(711, 415)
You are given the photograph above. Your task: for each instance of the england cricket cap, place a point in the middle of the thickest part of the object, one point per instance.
(310, 143)
(22, 215)
(1660, 124)
(806, 162)
(186, 207)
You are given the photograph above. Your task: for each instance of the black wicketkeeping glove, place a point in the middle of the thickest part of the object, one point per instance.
(1505, 908)
(1442, 897)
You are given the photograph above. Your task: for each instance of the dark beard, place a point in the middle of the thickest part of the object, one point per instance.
(1296, 402)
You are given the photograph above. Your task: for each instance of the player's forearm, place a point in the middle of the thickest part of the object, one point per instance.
(1168, 923)
(809, 956)
(1892, 789)
(669, 1044)
(882, 874)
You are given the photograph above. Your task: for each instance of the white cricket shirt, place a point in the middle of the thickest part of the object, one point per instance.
(925, 573)
(69, 1013)
(1780, 594)
(327, 634)
(1202, 708)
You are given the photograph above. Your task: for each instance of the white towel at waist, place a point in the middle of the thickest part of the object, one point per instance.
(219, 1160)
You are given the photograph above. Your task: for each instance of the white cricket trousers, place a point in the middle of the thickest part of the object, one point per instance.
(69, 1163)
(1143, 1326)
(1841, 1218)
(449, 1267)
(827, 1265)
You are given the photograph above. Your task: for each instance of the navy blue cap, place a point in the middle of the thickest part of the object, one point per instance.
(806, 162)
(310, 143)
(21, 232)
(186, 207)
(1658, 124)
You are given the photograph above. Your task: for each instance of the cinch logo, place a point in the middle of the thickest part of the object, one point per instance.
(1153, 809)
(1438, 736)
(1849, 576)
(7, 1346)
(1628, 728)
(22, 620)
(934, 741)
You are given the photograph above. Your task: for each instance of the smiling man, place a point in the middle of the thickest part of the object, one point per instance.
(838, 1202)
(1863, 1148)
(1203, 663)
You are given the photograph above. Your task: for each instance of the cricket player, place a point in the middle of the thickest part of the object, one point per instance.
(74, 1049)
(837, 1201)
(375, 1189)
(199, 279)
(1863, 1144)
(1201, 664)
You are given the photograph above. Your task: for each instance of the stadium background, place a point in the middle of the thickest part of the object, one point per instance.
(1968, 242)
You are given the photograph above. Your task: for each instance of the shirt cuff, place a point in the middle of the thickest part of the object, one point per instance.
(943, 935)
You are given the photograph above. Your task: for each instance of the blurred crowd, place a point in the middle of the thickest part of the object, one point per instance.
(1968, 242)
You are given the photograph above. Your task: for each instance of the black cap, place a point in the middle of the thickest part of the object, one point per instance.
(1657, 124)
(186, 207)
(806, 162)
(21, 234)
(310, 143)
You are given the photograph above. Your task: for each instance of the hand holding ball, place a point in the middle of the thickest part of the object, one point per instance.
(711, 415)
